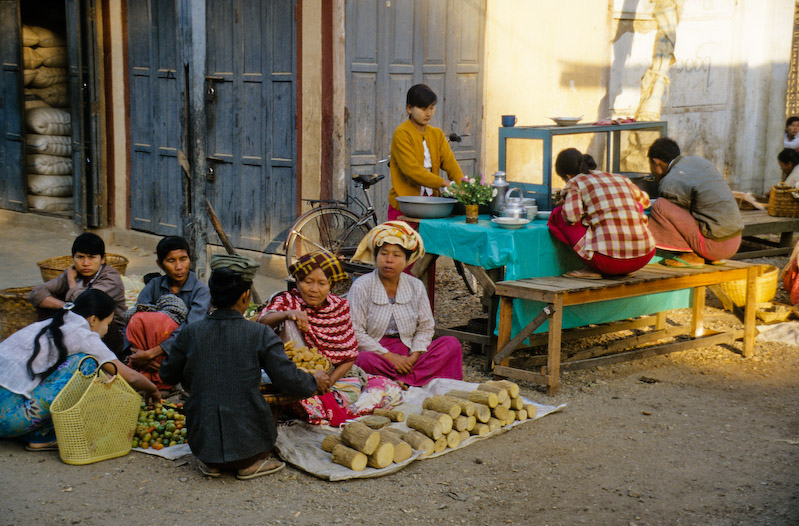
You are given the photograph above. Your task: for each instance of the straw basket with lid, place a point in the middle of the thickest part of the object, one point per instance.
(52, 267)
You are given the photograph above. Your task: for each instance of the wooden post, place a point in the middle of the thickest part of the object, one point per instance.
(505, 322)
(749, 313)
(196, 42)
(697, 312)
(660, 321)
(553, 347)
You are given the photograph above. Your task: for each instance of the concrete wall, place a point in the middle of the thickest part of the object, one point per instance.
(725, 100)
(542, 59)
(726, 97)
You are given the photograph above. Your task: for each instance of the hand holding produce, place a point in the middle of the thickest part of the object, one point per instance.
(309, 360)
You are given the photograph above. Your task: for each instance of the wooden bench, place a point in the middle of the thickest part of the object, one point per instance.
(758, 223)
(559, 292)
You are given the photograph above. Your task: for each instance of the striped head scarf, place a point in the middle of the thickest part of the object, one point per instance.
(394, 233)
(324, 260)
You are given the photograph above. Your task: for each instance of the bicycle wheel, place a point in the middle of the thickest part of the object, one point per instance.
(336, 230)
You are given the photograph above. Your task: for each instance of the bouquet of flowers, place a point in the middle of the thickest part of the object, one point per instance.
(470, 191)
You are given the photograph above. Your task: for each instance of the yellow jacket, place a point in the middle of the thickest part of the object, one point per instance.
(408, 174)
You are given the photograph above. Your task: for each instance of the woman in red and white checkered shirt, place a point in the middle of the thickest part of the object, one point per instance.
(601, 217)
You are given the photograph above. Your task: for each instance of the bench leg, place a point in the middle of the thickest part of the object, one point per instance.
(697, 312)
(553, 347)
(749, 313)
(505, 323)
(660, 321)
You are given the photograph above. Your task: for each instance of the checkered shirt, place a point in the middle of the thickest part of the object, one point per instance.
(608, 205)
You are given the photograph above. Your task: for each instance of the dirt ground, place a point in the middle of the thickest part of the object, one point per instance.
(701, 437)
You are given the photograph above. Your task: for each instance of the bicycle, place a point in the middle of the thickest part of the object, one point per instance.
(331, 225)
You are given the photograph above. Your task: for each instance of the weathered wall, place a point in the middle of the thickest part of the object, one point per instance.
(119, 133)
(542, 59)
(311, 160)
(726, 97)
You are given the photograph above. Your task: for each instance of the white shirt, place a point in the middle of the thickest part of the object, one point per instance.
(371, 313)
(793, 143)
(428, 165)
(793, 177)
(16, 350)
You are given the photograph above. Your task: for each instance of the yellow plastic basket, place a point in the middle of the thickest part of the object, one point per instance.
(94, 416)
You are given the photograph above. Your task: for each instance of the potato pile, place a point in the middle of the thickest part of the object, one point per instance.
(310, 360)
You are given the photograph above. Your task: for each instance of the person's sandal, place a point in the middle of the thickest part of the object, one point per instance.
(267, 467)
(208, 472)
(44, 446)
(680, 263)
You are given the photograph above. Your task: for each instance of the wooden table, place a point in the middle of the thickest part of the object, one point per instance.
(758, 223)
(558, 292)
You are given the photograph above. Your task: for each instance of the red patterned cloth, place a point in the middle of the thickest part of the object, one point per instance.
(330, 325)
(612, 209)
(146, 330)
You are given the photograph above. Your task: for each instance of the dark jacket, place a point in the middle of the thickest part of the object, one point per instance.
(194, 293)
(696, 185)
(219, 361)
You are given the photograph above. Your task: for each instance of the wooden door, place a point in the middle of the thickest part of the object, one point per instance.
(251, 141)
(157, 118)
(394, 45)
(13, 186)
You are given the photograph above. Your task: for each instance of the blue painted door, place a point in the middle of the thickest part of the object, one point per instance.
(13, 186)
(157, 118)
(391, 46)
(84, 82)
(251, 142)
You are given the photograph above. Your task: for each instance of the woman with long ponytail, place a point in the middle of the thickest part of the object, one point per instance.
(37, 361)
(601, 217)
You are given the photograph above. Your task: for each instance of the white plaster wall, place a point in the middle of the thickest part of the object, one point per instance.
(311, 160)
(726, 98)
(119, 133)
(542, 59)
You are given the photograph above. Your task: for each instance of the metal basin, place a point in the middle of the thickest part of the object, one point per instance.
(426, 207)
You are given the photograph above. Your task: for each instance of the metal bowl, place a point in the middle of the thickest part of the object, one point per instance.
(426, 207)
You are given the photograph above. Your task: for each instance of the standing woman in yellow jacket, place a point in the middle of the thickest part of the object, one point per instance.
(419, 151)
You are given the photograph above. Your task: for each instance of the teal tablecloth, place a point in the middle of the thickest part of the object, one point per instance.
(532, 252)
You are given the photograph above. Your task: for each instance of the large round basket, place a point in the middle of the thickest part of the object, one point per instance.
(765, 286)
(52, 267)
(16, 311)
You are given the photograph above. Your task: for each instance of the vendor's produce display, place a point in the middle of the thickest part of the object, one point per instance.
(375, 421)
(160, 426)
(394, 416)
(359, 446)
(306, 359)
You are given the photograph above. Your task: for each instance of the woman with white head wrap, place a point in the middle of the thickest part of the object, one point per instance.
(391, 314)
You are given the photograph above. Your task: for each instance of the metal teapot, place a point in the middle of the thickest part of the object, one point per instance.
(501, 186)
(514, 206)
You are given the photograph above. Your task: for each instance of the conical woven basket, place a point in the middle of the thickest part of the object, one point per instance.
(94, 417)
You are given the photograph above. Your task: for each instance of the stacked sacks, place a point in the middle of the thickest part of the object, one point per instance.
(48, 120)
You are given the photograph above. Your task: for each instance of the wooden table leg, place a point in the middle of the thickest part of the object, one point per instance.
(553, 347)
(660, 321)
(697, 312)
(505, 322)
(749, 313)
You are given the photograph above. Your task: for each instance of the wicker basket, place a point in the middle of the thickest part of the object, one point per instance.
(52, 267)
(765, 286)
(94, 417)
(782, 203)
(16, 311)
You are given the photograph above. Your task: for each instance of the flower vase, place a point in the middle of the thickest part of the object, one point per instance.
(471, 213)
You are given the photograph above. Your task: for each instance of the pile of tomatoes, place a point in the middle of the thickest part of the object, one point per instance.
(160, 426)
